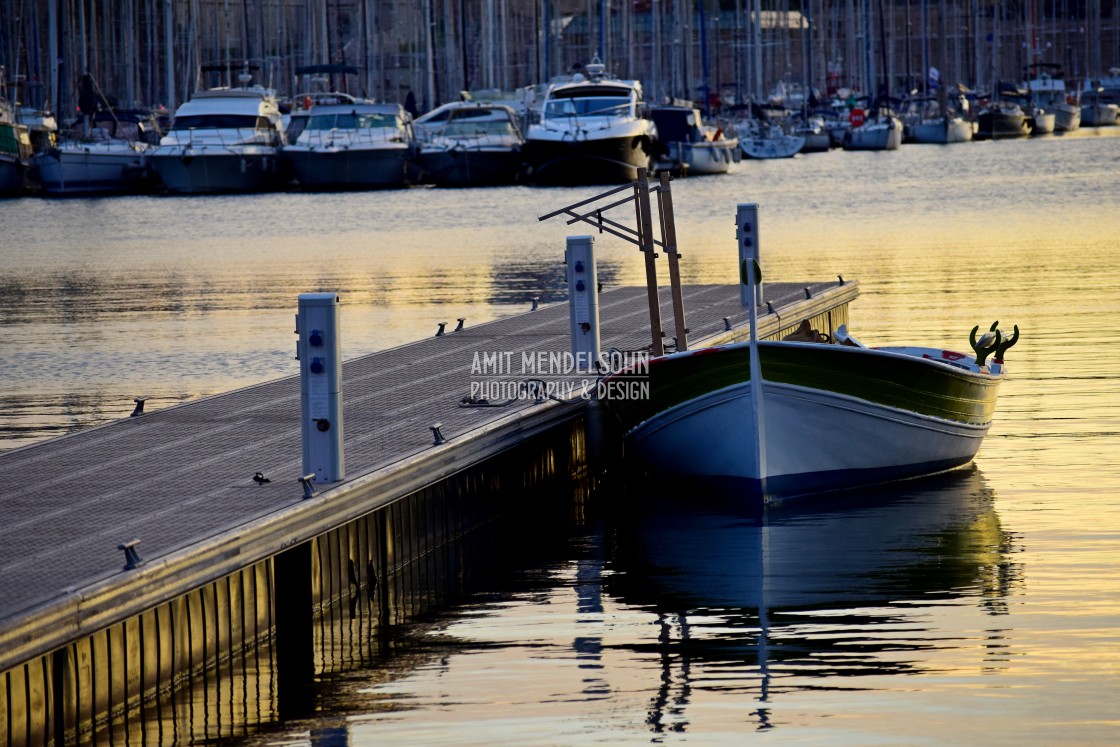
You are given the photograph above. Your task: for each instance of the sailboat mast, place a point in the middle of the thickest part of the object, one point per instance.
(868, 50)
(429, 64)
(52, 50)
(756, 48)
(169, 55)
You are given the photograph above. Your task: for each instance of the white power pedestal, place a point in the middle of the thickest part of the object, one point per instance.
(746, 231)
(320, 386)
(583, 300)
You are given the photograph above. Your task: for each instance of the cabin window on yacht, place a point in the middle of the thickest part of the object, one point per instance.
(220, 122)
(601, 106)
(353, 121)
(468, 128)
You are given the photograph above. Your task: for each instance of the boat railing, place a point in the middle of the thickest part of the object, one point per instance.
(353, 136)
(224, 137)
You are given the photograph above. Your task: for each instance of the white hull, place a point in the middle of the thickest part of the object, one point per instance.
(943, 131)
(780, 146)
(84, 168)
(1099, 115)
(876, 135)
(813, 440)
(1067, 118)
(709, 157)
(1044, 123)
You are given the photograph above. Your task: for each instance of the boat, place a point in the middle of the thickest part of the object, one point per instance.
(815, 132)
(1098, 108)
(830, 414)
(932, 120)
(765, 139)
(1041, 121)
(222, 140)
(344, 142)
(882, 131)
(465, 144)
(689, 145)
(1047, 89)
(108, 158)
(590, 129)
(15, 152)
(1001, 119)
(942, 129)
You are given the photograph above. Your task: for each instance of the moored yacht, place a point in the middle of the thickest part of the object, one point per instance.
(933, 120)
(351, 143)
(591, 130)
(880, 131)
(465, 144)
(692, 146)
(222, 140)
(109, 157)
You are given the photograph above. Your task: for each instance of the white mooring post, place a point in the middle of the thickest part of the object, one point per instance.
(746, 231)
(583, 300)
(320, 386)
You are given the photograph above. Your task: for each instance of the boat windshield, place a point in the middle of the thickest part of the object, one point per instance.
(353, 121)
(599, 106)
(220, 122)
(469, 128)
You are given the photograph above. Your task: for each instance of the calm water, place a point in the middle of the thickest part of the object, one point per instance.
(984, 608)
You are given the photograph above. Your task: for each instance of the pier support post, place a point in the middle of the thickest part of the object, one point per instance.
(669, 235)
(644, 216)
(320, 386)
(746, 232)
(583, 300)
(294, 641)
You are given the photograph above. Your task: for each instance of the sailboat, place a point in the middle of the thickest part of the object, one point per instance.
(108, 158)
(878, 130)
(762, 137)
(1046, 88)
(935, 121)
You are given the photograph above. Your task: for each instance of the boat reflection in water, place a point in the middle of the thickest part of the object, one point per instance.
(803, 592)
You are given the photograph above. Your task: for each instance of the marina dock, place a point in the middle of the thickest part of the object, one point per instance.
(94, 624)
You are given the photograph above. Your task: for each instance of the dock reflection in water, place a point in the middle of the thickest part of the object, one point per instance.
(668, 616)
(810, 593)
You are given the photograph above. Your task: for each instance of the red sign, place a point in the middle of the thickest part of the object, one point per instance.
(856, 118)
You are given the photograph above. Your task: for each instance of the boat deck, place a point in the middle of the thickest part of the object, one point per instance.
(181, 479)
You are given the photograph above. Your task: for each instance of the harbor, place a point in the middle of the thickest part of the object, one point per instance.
(653, 632)
(322, 104)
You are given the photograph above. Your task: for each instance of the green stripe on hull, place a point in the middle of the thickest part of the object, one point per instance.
(902, 382)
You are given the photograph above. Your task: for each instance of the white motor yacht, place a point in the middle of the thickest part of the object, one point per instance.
(222, 140)
(592, 129)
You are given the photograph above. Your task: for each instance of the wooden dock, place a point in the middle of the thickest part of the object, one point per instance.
(181, 480)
